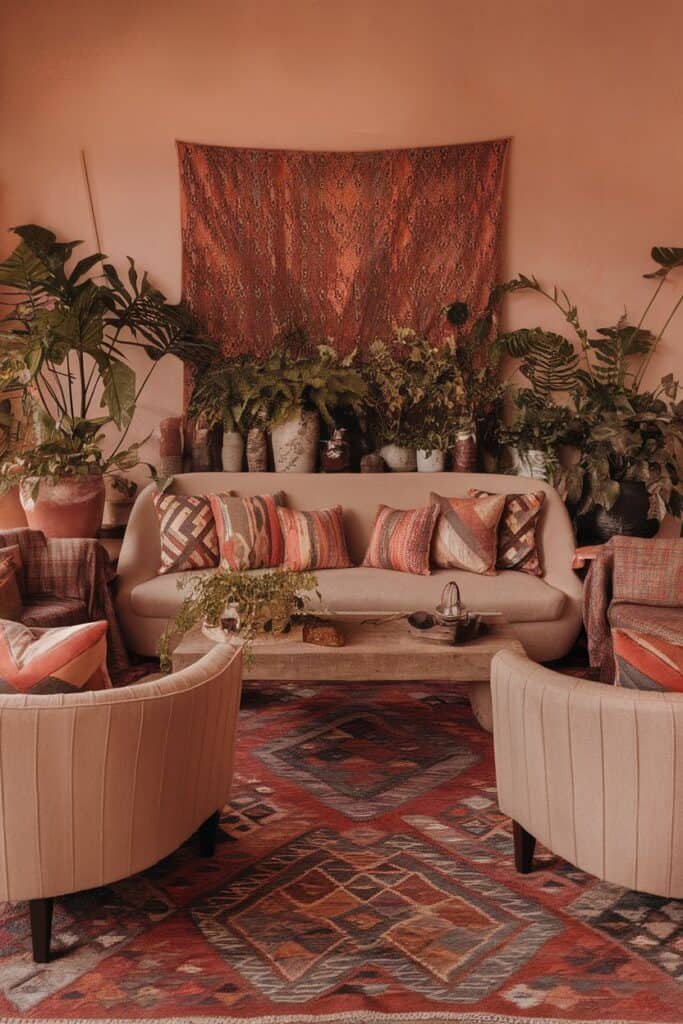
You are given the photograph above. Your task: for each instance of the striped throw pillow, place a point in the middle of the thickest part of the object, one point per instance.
(313, 540)
(647, 662)
(466, 534)
(64, 660)
(401, 539)
(249, 534)
(517, 546)
(188, 533)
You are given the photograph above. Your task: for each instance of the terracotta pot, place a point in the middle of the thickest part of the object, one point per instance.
(232, 451)
(465, 452)
(70, 507)
(430, 462)
(295, 443)
(257, 451)
(398, 459)
(372, 463)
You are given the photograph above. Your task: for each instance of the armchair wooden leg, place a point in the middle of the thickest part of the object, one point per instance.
(41, 928)
(207, 835)
(525, 844)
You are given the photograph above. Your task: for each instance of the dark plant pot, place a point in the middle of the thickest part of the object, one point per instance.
(627, 517)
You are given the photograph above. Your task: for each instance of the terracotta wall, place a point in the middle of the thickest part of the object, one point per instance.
(589, 90)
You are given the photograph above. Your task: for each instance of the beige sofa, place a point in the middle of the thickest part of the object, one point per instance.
(546, 612)
(98, 786)
(593, 772)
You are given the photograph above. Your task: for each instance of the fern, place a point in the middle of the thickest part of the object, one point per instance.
(549, 361)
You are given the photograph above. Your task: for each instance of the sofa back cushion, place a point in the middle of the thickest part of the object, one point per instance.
(313, 540)
(466, 534)
(401, 539)
(249, 534)
(517, 547)
(187, 531)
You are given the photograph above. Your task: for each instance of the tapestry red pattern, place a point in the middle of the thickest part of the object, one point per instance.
(343, 245)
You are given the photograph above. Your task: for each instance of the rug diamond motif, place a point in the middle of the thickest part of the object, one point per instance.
(364, 763)
(304, 919)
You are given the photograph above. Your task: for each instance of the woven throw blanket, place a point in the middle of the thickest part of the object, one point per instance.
(76, 568)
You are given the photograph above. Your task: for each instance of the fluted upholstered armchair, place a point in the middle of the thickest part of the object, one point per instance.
(594, 772)
(98, 786)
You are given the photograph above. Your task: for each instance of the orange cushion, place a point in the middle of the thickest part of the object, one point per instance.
(313, 540)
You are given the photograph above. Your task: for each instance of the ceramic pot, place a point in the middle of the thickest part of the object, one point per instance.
(232, 451)
(372, 463)
(11, 513)
(532, 463)
(257, 451)
(465, 452)
(72, 506)
(295, 443)
(398, 459)
(627, 517)
(430, 462)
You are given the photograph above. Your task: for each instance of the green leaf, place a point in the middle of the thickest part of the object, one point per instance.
(668, 258)
(118, 396)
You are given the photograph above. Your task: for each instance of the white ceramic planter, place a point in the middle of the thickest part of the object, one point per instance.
(430, 462)
(295, 443)
(232, 452)
(533, 463)
(399, 460)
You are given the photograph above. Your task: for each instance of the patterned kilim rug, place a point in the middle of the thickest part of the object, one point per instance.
(364, 876)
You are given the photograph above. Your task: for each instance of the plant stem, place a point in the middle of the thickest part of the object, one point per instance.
(639, 379)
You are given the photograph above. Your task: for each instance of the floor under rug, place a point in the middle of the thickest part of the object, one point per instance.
(364, 874)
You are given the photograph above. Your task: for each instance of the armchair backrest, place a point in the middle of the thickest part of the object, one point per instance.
(97, 786)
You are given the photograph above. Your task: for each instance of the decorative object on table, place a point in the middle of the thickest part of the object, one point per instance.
(228, 629)
(466, 533)
(416, 397)
(401, 539)
(313, 540)
(451, 608)
(68, 351)
(322, 633)
(248, 529)
(266, 602)
(336, 453)
(628, 438)
(65, 659)
(372, 462)
(120, 494)
(171, 446)
(432, 627)
(187, 530)
(465, 450)
(518, 546)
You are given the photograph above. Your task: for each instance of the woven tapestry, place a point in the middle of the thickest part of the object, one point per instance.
(341, 245)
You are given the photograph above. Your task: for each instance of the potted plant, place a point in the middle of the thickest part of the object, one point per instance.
(219, 398)
(439, 400)
(65, 338)
(302, 389)
(534, 438)
(265, 602)
(627, 469)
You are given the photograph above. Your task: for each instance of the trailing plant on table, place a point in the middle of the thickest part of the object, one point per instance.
(65, 340)
(267, 602)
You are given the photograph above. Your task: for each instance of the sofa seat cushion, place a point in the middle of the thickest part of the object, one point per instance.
(517, 596)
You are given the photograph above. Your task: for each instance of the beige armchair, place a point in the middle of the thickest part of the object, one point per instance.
(98, 786)
(594, 772)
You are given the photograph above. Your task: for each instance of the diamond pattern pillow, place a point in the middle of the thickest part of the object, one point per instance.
(188, 533)
(249, 534)
(401, 539)
(313, 540)
(466, 534)
(64, 660)
(517, 546)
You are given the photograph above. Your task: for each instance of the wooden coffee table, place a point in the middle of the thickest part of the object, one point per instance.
(374, 651)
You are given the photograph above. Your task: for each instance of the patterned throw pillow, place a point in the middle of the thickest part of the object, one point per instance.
(10, 595)
(401, 539)
(249, 534)
(648, 571)
(188, 533)
(64, 660)
(517, 548)
(647, 662)
(466, 534)
(313, 540)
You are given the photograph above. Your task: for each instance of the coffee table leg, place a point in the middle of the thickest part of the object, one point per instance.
(480, 702)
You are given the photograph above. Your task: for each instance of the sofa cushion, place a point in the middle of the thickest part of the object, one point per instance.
(249, 534)
(520, 598)
(646, 662)
(401, 539)
(313, 540)
(517, 545)
(466, 534)
(62, 660)
(187, 532)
